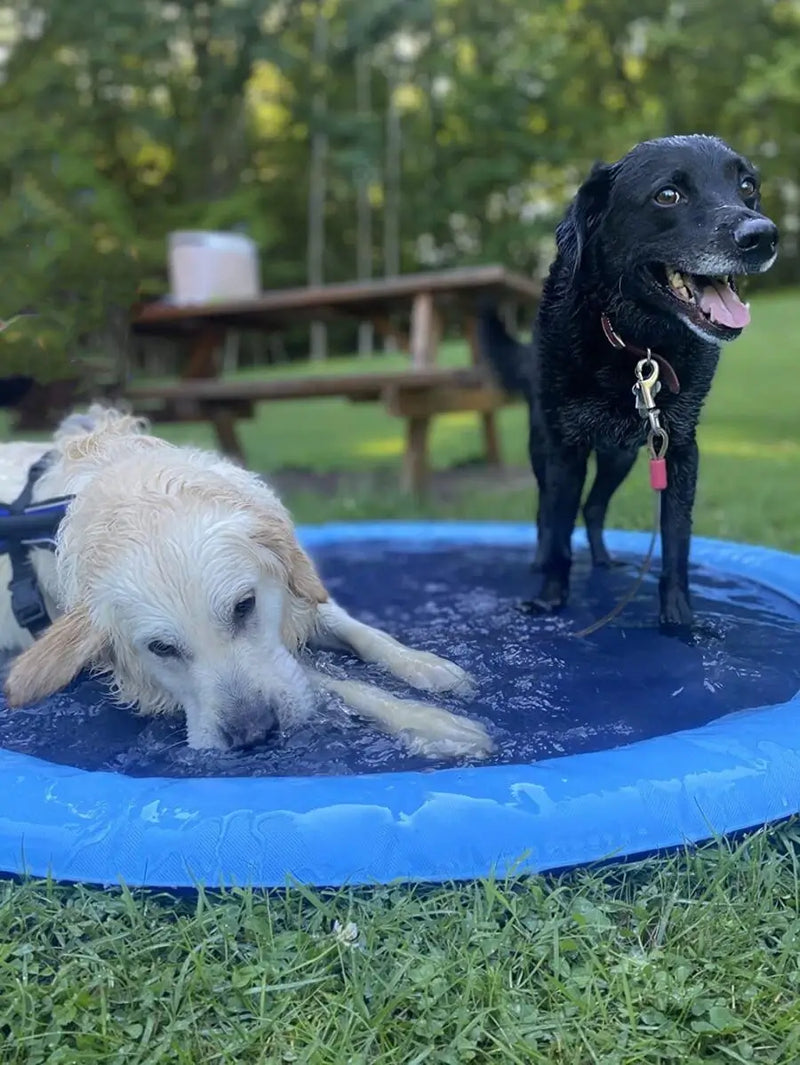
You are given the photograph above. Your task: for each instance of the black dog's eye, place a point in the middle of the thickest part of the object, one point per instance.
(163, 650)
(667, 197)
(244, 608)
(747, 187)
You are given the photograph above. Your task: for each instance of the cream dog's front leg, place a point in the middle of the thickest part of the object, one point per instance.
(423, 728)
(420, 669)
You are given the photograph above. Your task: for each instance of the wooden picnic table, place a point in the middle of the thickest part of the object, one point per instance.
(417, 394)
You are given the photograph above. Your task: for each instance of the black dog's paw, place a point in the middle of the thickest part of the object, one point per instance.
(601, 557)
(540, 606)
(682, 633)
(607, 561)
(551, 598)
(676, 614)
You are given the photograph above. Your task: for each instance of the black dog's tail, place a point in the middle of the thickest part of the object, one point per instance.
(13, 389)
(509, 359)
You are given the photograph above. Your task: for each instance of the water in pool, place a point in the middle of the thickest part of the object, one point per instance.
(541, 693)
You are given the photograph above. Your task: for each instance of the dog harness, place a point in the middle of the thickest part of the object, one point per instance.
(23, 526)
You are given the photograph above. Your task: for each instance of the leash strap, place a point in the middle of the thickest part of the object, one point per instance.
(637, 584)
(616, 341)
(644, 391)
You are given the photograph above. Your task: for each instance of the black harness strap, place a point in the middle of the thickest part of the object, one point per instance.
(23, 526)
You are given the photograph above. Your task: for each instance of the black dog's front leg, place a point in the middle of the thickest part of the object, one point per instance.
(613, 466)
(677, 502)
(565, 476)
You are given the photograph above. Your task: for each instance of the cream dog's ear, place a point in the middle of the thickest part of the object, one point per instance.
(68, 646)
(304, 581)
(277, 534)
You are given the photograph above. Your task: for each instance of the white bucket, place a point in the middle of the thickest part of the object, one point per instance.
(208, 267)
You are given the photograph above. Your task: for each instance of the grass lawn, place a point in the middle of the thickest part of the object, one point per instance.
(689, 958)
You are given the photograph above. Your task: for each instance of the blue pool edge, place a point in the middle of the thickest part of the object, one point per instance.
(738, 772)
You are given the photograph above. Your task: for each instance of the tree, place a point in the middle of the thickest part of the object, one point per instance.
(459, 129)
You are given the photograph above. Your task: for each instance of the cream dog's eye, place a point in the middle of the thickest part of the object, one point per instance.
(244, 608)
(163, 650)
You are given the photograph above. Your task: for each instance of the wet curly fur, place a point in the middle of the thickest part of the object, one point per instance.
(616, 243)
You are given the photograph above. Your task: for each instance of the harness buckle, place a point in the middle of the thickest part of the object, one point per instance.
(27, 603)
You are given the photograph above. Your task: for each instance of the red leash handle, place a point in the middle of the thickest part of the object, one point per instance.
(657, 444)
(658, 474)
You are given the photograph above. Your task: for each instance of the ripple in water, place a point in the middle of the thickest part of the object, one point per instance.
(541, 693)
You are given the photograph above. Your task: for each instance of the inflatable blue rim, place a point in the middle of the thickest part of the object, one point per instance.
(737, 772)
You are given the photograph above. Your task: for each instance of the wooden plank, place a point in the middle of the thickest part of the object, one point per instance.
(166, 411)
(318, 386)
(359, 299)
(364, 397)
(407, 403)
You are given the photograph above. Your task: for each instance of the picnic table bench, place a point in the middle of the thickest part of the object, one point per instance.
(417, 394)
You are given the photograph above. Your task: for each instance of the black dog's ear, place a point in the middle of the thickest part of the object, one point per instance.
(583, 214)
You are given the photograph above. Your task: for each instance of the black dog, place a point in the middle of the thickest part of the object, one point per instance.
(647, 257)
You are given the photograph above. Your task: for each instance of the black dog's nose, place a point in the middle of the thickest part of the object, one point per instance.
(757, 236)
(249, 726)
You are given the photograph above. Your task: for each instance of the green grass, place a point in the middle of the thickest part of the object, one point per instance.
(687, 959)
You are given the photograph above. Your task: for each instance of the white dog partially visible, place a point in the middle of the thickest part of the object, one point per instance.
(179, 576)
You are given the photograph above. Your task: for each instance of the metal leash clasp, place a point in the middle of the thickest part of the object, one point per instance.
(645, 390)
(647, 385)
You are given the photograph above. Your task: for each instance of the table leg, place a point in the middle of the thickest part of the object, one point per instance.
(424, 342)
(223, 420)
(204, 362)
(425, 330)
(415, 462)
(204, 352)
(491, 438)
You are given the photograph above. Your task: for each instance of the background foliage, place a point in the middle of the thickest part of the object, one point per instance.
(123, 121)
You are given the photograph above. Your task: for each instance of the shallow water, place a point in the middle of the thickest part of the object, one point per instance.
(540, 693)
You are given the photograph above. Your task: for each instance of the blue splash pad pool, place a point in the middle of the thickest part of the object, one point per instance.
(621, 743)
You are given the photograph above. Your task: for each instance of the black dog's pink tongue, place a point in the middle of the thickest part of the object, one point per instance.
(723, 306)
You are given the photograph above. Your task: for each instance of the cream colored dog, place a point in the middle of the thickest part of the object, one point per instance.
(180, 577)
